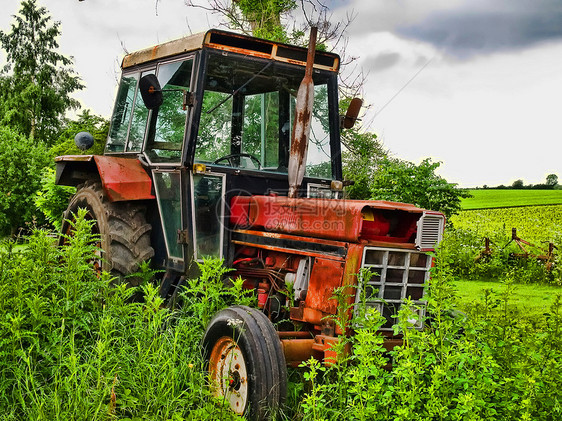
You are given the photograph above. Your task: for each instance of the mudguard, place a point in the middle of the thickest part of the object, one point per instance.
(122, 178)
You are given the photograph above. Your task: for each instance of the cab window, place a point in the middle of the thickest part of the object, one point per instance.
(130, 115)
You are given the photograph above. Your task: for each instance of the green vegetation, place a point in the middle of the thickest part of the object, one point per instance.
(503, 198)
(36, 85)
(75, 346)
(403, 181)
(463, 244)
(537, 224)
(532, 300)
(21, 162)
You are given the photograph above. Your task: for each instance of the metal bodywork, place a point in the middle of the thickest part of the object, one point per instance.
(122, 178)
(214, 173)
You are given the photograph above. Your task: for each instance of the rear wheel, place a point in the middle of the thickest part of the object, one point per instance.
(124, 234)
(246, 362)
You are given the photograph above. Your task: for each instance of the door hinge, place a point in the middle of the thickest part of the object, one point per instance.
(188, 100)
(183, 237)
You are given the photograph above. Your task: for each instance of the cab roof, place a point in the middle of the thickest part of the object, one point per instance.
(228, 41)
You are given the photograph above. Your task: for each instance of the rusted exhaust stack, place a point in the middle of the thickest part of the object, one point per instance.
(301, 125)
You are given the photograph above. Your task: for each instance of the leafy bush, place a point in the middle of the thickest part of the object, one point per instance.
(85, 122)
(403, 181)
(491, 364)
(21, 163)
(52, 199)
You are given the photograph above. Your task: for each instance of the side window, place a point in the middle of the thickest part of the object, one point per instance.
(208, 211)
(168, 191)
(122, 114)
(165, 140)
(128, 123)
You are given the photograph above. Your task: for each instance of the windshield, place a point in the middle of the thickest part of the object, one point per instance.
(247, 112)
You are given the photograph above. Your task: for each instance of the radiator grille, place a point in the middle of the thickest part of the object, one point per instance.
(430, 231)
(396, 274)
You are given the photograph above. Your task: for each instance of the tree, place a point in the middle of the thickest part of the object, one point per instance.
(517, 184)
(37, 82)
(85, 122)
(276, 20)
(21, 162)
(552, 180)
(403, 181)
(361, 158)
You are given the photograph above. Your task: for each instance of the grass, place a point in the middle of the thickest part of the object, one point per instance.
(529, 299)
(493, 198)
(75, 346)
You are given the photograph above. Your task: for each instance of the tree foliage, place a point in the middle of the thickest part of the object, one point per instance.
(85, 122)
(21, 162)
(551, 180)
(52, 199)
(37, 82)
(279, 20)
(518, 184)
(361, 158)
(403, 181)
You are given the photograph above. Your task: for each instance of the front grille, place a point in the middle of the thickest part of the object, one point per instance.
(396, 274)
(430, 231)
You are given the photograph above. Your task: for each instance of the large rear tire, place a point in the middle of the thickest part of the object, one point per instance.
(124, 234)
(246, 363)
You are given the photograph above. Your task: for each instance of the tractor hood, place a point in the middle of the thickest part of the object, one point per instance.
(357, 221)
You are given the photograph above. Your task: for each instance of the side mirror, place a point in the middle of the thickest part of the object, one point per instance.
(84, 140)
(151, 91)
(350, 117)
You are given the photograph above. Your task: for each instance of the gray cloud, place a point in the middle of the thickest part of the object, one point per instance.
(382, 61)
(477, 27)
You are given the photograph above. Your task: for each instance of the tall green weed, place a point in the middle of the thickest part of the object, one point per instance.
(489, 364)
(75, 346)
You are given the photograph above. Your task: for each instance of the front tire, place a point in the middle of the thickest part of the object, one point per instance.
(124, 234)
(246, 363)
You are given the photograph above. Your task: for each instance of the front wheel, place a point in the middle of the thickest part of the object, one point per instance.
(245, 361)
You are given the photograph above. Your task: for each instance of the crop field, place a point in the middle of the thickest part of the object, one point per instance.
(464, 244)
(528, 299)
(534, 223)
(494, 198)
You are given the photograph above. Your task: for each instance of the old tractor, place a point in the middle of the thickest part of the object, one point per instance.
(224, 145)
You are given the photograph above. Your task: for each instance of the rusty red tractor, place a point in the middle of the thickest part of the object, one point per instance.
(224, 145)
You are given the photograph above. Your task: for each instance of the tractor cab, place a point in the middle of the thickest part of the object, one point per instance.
(210, 117)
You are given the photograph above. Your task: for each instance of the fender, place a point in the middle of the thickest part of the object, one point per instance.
(122, 178)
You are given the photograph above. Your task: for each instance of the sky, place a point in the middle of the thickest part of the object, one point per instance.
(474, 84)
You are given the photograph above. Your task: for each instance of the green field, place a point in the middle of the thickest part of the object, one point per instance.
(533, 223)
(529, 299)
(493, 198)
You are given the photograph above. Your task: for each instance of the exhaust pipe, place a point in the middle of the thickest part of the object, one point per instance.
(301, 124)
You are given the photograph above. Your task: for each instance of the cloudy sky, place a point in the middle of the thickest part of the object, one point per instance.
(476, 84)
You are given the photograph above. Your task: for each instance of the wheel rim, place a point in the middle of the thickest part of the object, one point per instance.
(229, 376)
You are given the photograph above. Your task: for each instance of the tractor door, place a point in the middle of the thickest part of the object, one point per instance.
(165, 140)
(207, 202)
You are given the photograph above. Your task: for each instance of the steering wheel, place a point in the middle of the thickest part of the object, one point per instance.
(230, 159)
